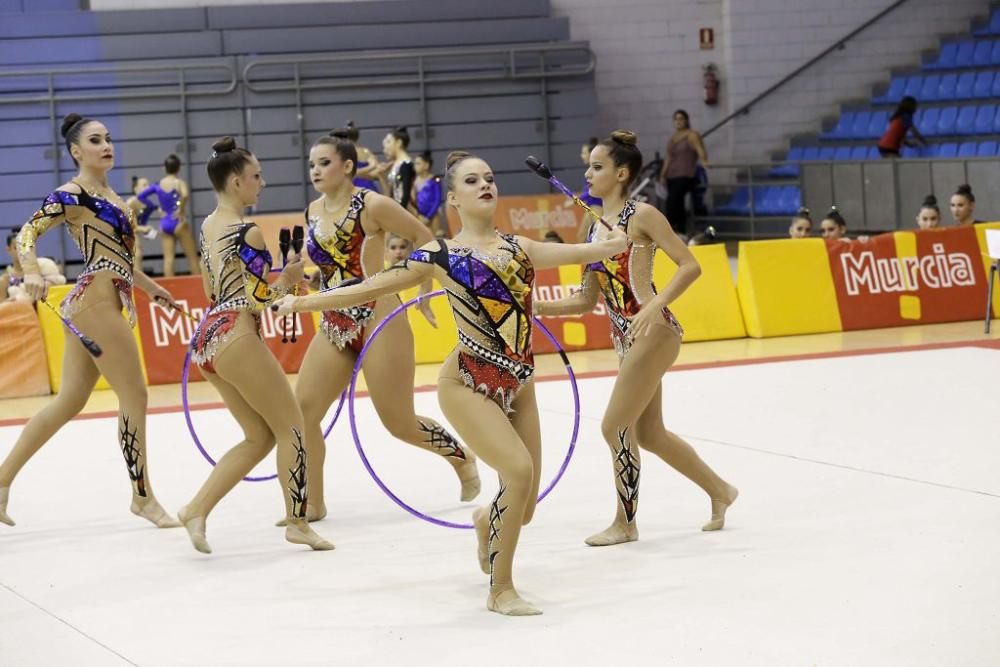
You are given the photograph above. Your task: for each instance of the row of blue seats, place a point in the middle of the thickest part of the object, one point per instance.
(773, 200)
(932, 122)
(951, 149)
(991, 28)
(967, 53)
(942, 87)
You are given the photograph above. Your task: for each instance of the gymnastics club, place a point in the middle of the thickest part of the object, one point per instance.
(91, 346)
(543, 171)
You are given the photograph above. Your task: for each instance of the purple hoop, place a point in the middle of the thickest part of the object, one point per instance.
(378, 480)
(197, 441)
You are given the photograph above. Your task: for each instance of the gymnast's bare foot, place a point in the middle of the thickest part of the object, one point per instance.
(481, 521)
(468, 474)
(195, 526)
(316, 512)
(151, 510)
(509, 603)
(719, 507)
(616, 533)
(298, 532)
(4, 517)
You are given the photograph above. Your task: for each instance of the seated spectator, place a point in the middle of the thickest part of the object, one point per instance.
(802, 224)
(929, 216)
(396, 249)
(900, 123)
(963, 206)
(11, 279)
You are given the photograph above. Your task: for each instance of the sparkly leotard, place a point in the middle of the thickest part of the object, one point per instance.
(168, 203)
(622, 278)
(429, 197)
(490, 296)
(238, 284)
(365, 183)
(106, 240)
(338, 252)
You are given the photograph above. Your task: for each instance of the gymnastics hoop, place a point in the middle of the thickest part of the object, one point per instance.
(364, 459)
(197, 441)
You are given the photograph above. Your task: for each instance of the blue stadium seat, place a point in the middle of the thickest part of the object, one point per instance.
(859, 130)
(878, 124)
(966, 121)
(968, 149)
(826, 153)
(910, 152)
(994, 27)
(948, 150)
(946, 91)
(790, 168)
(983, 87)
(946, 121)
(895, 92)
(966, 81)
(738, 203)
(946, 58)
(810, 154)
(913, 85)
(859, 153)
(986, 149)
(843, 127)
(842, 153)
(928, 120)
(984, 119)
(873, 153)
(965, 53)
(767, 201)
(995, 56)
(982, 56)
(789, 200)
(929, 89)
(996, 122)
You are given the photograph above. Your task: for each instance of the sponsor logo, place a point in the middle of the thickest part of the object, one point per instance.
(906, 274)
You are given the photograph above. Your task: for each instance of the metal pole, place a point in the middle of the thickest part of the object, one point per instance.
(546, 132)
(302, 132)
(423, 103)
(186, 148)
(864, 199)
(753, 205)
(56, 159)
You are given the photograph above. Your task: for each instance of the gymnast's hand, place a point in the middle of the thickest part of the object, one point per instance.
(316, 281)
(35, 286)
(285, 305)
(294, 272)
(618, 240)
(649, 316)
(425, 310)
(161, 295)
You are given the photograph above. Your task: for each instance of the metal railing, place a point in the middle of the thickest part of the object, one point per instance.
(836, 46)
(287, 75)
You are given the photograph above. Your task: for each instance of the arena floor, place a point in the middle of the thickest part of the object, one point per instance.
(865, 533)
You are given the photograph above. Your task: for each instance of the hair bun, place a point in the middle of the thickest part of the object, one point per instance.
(964, 189)
(224, 145)
(455, 157)
(803, 212)
(626, 137)
(929, 201)
(68, 122)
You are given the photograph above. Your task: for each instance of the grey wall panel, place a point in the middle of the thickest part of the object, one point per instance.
(848, 194)
(281, 145)
(984, 177)
(947, 175)
(880, 206)
(25, 132)
(163, 45)
(204, 124)
(354, 13)
(62, 24)
(147, 21)
(282, 198)
(283, 171)
(395, 36)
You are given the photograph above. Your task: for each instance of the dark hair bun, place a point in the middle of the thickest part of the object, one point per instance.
(68, 122)
(455, 157)
(803, 212)
(626, 137)
(964, 189)
(402, 129)
(930, 201)
(224, 145)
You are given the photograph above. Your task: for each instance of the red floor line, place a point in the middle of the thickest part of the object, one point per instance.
(989, 344)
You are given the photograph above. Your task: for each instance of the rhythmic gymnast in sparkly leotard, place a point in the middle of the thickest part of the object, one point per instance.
(103, 228)
(346, 240)
(485, 388)
(646, 336)
(228, 349)
(172, 194)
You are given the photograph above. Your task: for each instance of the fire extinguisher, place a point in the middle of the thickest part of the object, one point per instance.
(711, 83)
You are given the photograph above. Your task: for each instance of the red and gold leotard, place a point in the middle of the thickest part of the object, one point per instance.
(106, 240)
(339, 254)
(626, 281)
(490, 296)
(238, 284)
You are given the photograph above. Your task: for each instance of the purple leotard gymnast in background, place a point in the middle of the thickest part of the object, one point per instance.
(167, 203)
